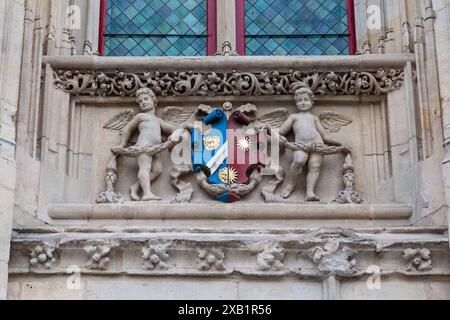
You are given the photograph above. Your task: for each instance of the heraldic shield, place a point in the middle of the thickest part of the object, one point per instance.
(227, 149)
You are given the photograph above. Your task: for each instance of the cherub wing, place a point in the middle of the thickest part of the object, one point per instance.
(176, 115)
(275, 118)
(119, 121)
(333, 122)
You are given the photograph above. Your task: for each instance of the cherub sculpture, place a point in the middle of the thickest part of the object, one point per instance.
(150, 129)
(311, 138)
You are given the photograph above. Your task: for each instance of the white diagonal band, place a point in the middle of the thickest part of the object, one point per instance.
(218, 158)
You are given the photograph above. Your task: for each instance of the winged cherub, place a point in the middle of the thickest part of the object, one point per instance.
(150, 129)
(309, 130)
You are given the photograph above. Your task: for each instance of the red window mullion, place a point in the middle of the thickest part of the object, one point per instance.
(351, 26)
(102, 27)
(240, 27)
(211, 27)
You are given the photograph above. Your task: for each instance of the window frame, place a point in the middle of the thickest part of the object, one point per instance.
(241, 20)
(211, 27)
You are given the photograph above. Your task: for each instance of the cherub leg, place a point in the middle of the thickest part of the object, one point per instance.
(145, 167)
(156, 168)
(299, 160)
(315, 162)
(134, 191)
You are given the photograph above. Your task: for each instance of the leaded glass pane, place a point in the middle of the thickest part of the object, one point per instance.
(155, 28)
(296, 27)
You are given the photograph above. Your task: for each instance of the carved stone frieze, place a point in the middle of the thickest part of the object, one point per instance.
(235, 83)
(332, 250)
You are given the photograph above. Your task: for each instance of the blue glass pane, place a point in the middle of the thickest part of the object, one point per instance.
(146, 27)
(285, 46)
(155, 46)
(296, 27)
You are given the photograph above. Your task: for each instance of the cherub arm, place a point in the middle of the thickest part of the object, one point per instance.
(128, 130)
(174, 132)
(167, 128)
(324, 133)
(286, 127)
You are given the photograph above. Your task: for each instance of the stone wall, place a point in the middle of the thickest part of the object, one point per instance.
(11, 29)
(54, 151)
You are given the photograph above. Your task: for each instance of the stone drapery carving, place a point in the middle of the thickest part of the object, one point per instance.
(99, 257)
(418, 259)
(155, 255)
(332, 258)
(210, 259)
(42, 255)
(235, 83)
(271, 258)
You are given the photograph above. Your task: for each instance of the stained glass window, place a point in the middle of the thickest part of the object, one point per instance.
(296, 27)
(155, 28)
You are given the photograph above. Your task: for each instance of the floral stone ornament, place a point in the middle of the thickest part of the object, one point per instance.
(210, 258)
(98, 257)
(334, 259)
(419, 259)
(42, 255)
(155, 255)
(271, 258)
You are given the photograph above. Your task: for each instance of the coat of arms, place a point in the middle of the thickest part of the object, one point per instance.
(226, 151)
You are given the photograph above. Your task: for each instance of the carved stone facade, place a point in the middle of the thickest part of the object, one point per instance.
(224, 177)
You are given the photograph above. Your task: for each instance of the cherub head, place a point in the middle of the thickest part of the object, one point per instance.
(304, 98)
(146, 99)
